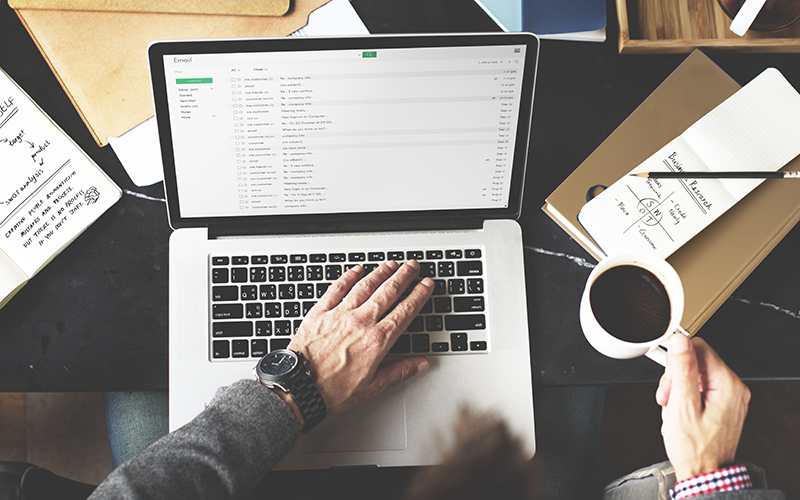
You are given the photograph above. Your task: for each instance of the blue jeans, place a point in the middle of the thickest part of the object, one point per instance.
(134, 420)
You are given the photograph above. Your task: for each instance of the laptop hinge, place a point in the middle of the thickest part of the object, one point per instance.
(349, 226)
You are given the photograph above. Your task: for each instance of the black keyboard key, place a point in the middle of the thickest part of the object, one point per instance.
(240, 260)
(277, 274)
(418, 255)
(305, 291)
(263, 328)
(368, 268)
(220, 349)
(440, 347)
(240, 349)
(239, 275)
(337, 257)
(452, 254)
(314, 273)
(475, 285)
(258, 274)
(272, 309)
(298, 259)
(467, 304)
(258, 348)
(296, 273)
(396, 256)
(442, 305)
(333, 272)
(348, 267)
(267, 292)
(318, 257)
(402, 345)
(259, 259)
(469, 268)
(219, 275)
(276, 344)
(417, 325)
(219, 261)
(376, 256)
(455, 287)
(223, 293)
(248, 292)
(321, 289)
(434, 254)
(232, 329)
(296, 325)
(286, 292)
(458, 341)
(279, 259)
(283, 328)
(478, 345)
(427, 269)
(253, 310)
(434, 324)
(446, 269)
(227, 311)
(427, 308)
(439, 287)
(357, 257)
(291, 309)
(465, 322)
(472, 253)
(307, 307)
(420, 342)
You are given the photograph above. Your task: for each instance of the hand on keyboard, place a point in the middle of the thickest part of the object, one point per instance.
(352, 327)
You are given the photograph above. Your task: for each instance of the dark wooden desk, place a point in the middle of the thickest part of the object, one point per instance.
(96, 317)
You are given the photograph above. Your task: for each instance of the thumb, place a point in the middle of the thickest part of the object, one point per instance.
(391, 374)
(683, 369)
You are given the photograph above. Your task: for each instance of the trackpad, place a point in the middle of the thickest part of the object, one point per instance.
(376, 425)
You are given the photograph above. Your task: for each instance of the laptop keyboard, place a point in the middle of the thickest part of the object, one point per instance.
(258, 301)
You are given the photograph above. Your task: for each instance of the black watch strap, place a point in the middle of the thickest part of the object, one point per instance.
(307, 397)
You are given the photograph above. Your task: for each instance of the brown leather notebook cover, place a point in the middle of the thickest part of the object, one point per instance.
(100, 58)
(218, 7)
(716, 261)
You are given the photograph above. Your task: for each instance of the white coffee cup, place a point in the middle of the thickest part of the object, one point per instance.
(613, 347)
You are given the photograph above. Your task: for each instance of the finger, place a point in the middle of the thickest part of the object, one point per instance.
(391, 374)
(397, 321)
(683, 369)
(390, 291)
(364, 289)
(662, 393)
(338, 290)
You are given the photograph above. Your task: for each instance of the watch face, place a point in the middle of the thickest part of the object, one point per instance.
(278, 362)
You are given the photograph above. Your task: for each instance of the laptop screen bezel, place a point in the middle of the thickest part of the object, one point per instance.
(158, 50)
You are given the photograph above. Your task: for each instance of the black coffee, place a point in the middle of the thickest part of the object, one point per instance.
(630, 303)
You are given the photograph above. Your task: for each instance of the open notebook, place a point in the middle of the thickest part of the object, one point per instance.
(758, 128)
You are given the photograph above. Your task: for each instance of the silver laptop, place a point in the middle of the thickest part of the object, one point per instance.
(289, 160)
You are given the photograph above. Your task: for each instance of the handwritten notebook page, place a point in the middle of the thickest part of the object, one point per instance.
(50, 191)
(758, 128)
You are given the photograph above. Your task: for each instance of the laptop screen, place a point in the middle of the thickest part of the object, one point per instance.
(381, 125)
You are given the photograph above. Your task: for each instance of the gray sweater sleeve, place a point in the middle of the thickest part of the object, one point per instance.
(222, 453)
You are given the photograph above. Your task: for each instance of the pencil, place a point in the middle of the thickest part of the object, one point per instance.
(719, 175)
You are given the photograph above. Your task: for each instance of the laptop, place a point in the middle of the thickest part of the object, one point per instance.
(289, 160)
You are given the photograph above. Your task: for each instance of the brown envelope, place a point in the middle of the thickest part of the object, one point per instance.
(100, 58)
(219, 7)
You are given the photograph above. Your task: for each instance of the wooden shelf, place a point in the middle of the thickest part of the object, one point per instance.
(680, 26)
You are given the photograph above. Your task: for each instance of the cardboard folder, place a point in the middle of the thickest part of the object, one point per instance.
(716, 261)
(100, 58)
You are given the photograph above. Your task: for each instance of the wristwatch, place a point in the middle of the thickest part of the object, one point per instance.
(288, 371)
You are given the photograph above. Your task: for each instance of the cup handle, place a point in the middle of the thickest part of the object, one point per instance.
(659, 352)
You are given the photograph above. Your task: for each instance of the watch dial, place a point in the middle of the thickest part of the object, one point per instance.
(278, 363)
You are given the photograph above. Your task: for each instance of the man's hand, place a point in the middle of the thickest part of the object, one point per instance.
(704, 405)
(348, 332)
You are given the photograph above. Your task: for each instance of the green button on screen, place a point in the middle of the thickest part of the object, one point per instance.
(366, 55)
(192, 81)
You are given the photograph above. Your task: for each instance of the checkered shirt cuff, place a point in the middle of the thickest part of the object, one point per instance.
(731, 478)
